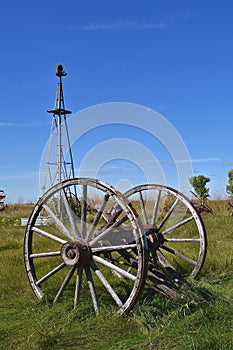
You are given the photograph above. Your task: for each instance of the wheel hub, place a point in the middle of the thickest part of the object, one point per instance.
(76, 253)
(155, 238)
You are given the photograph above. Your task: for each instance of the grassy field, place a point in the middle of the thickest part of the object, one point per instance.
(200, 319)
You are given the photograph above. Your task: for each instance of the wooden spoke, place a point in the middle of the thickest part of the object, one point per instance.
(51, 273)
(91, 287)
(166, 217)
(107, 231)
(177, 225)
(65, 283)
(97, 218)
(106, 284)
(78, 285)
(156, 207)
(57, 222)
(161, 283)
(44, 255)
(121, 221)
(113, 248)
(142, 203)
(179, 255)
(48, 235)
(168, 266)
(84, 211)
(183, 240)
(114, 267)
(129, 257)
(70, 214)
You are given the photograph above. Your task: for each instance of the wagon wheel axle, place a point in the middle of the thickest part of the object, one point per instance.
(76, 252)
(155, 238)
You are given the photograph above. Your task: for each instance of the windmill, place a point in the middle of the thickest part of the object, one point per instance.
(59, 166)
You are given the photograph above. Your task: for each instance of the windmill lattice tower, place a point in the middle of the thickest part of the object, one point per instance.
(59, 166)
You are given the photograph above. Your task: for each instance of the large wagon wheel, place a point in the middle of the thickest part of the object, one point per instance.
(76, 253)
(175, 231)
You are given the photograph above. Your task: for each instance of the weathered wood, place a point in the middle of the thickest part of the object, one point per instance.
(75, 242)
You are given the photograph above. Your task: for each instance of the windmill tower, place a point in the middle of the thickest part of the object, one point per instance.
(59, 166)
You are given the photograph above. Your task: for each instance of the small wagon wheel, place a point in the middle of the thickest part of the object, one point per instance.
(2, 198)
(175, 231)
(76, 253)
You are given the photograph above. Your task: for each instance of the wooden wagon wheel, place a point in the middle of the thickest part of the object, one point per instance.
(76, 253)
(2, 198)
(175, 231)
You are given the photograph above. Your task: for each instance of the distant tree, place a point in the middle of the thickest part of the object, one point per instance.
(199, 184)
(229, 187)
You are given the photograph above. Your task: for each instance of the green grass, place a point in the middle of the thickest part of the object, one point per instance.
(200, 319)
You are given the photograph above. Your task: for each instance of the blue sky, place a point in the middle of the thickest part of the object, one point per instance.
(176, 57)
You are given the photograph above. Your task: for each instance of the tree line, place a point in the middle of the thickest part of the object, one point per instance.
(199, 185)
